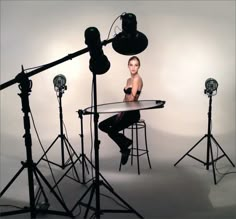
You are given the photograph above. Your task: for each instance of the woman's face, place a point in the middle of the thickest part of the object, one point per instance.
(133, 66)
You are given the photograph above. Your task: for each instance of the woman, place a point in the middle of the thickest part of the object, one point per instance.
(113, 125)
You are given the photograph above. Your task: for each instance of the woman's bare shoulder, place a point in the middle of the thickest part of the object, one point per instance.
(129, 80)
(138, 78)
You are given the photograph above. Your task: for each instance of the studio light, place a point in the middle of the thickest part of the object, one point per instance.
(99, 63)
(211, 90)
(129, 41)
(211, 86)
(59, 82)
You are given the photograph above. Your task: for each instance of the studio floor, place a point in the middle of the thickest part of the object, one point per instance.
(166, 191)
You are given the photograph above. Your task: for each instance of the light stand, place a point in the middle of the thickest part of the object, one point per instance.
(128, 42)
(95, 186)
(59, 86)
(99, 64)
(209, 158)
(25, 87)
(83, 157)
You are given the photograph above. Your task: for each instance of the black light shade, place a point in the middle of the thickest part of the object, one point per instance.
(129, 41)
(99, 63)
(59, 82)
(211, 85)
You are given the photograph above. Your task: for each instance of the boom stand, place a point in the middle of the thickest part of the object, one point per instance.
(64, 142)
(95, 186)
(209, 159)
(25, 87)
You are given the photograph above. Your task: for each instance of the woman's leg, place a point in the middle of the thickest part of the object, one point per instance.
(106, 124)
(112, 126)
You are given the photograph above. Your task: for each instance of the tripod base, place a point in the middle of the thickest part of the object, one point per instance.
(36, 211)
(84, 163)
(97, 213)
(64, 141)
(33, 209)
(209, 154)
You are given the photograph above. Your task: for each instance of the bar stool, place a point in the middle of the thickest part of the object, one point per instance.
(135, 150)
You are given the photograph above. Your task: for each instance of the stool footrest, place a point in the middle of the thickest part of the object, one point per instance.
(139, 154)
(140, 149)
(136, 151)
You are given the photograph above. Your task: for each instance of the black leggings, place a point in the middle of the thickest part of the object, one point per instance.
(112, 126)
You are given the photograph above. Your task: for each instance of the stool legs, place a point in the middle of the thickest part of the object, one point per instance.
(132, 147)
(135, 150)
(145, 135)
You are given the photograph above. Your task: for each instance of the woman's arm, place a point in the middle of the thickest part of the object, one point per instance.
(127, 83)
(135, 86)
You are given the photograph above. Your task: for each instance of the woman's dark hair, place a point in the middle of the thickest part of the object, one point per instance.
(134, 58)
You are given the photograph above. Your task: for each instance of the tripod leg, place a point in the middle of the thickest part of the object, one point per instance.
(114, 193)
(99, 173)
(89, 203)
(84, 164)
(84, 160)
(72, 166)
(190, 150)
(40, 188)
(31, 187)
(79, 201)
(64, 175)
(67, 141)
(212, 162)
(12, 180)
(47, 150)
(222, 150)
(83, 167)
(83, 172)
(54, 193)
(72, 162)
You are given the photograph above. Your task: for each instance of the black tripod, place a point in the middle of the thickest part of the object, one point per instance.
(209, 159)
(25, 87)
(82, 156)
(128, 42)
(97, 182)
(84, 159)
(63, 140)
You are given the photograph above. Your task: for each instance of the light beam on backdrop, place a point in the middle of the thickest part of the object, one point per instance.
(211, 86)
(128, 42)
